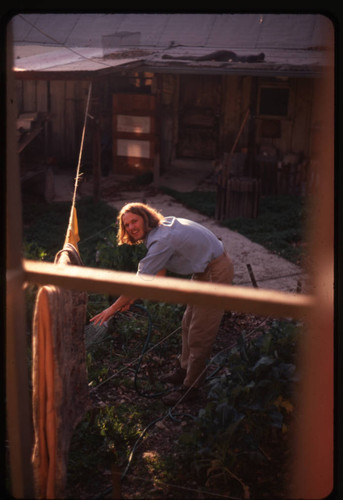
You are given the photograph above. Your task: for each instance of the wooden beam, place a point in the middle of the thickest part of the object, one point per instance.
(175, 290)
(18, 407)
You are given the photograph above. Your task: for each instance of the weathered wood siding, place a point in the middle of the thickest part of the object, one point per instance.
(167, 112)
(236, 102)
(64, 101)
(295, 128)
(236, 99)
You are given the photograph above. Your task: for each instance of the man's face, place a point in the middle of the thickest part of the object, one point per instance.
(134, 225)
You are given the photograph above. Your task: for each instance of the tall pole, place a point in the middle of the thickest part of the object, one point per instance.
(18, 407)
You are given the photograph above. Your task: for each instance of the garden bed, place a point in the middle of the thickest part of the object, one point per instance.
(174, 458)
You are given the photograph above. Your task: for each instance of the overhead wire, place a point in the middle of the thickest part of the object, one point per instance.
(59, 44)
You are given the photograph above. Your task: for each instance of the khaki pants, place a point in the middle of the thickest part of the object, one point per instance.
(200, 324)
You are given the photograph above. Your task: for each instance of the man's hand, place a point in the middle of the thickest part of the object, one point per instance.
(105, 315)
(121, 305)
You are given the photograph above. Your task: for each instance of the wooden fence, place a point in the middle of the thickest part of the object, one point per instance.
(287, 179)
(238, 198)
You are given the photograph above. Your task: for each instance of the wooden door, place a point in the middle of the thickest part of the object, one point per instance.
(199, 113)
(134, 133)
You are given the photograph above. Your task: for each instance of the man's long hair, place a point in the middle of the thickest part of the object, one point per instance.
(152, 219)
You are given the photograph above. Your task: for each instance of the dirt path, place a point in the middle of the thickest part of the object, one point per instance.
(270, 271)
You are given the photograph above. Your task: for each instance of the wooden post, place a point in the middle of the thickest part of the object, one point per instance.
(116, 482)
(18, 407)
(252, 277)
(96, 161)
(314, 464)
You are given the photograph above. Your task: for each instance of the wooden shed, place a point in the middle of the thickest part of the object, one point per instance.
(169, 86)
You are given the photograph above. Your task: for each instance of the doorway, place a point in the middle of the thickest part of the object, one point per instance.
(199, 116)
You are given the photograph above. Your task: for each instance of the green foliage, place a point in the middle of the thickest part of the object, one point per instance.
(121, 424)
(45, 227)
(204, 201)
(167, 317)
(120, 258)
(279, 225)
(96, 303)
(144, 179)
(33, 251)
(103, 437)
(249, 409)
(247, 415)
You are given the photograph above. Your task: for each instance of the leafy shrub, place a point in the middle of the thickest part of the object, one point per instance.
(279, 225)
(120, 258)
(104, 436)
(204, 201)
(248, 410)
(33, 251)
(45, 227)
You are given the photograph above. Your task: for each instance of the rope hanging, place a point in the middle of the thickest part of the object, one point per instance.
(72, 235)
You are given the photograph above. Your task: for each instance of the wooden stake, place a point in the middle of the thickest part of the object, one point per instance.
(252, 277)
(116, 481)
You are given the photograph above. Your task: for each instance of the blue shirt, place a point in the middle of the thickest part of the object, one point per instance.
(180, 246)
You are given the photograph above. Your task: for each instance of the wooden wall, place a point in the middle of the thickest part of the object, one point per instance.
(65, 101)
(237, 98)
(236, 102)
(295, 128)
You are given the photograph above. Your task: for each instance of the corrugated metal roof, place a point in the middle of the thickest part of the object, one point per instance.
(84, 42)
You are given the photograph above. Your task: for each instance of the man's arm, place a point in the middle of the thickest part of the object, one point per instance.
(121, 304)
